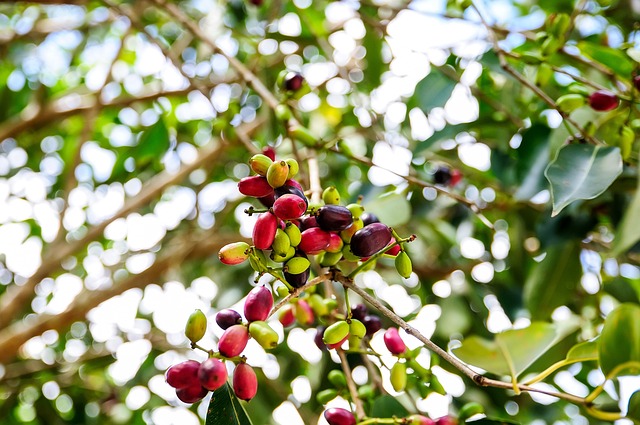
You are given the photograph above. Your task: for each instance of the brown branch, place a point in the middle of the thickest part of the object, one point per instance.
(351, 385)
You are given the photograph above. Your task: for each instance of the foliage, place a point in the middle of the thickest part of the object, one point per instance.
(126, 126)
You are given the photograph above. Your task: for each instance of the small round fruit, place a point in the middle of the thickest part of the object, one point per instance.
(256, 186)
(286, 316)
(234, 253)
(442, 176)
(227, 318)
(334, 218)
(258, 304)
(297, 280)
(245, 382)
(368, 218)
(336, 332)
(233, 341)
(277, 173)
(337, 378)
(399, 376)
(603, 100)
(357, 328)
(339, 416)
(263, 334)
(314, 240)
(359, 311)
(270, 152)
(191, 394)
(403, 264)
(297, 265)
(331, 196)
(212, 374)
(636, 82)
(260, 163)
(447, 420)
(196, 326)
(420, 420)
(394, 343)
(304, 313)
(183, 375)
(370, 239)
(289, 207)
(293, 81)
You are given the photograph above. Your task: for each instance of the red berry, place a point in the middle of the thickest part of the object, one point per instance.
(191, 394)
(339, 416)
(335, 243)
(396, 248)
(456, 176)
(446, 420)
(394, 343)
(338, 344)
(289, 207)
(265, 230)
(370, 239)
(308, 222)
(294, 183)
(334, 218)
(286, 316)
(212, 374)
(256, 186)
(183, 374)
(245, 382)
(304, 313)
(293, 81)
(258, 304)
(603, 100)
(227, 318)
(314, 240)
(233, 341)
(270, 152)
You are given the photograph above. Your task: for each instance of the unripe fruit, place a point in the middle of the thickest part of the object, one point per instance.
(227, 318)
(196, 326)
(297, 280)
(470, 409)
(245, 382)
(233, 341)
(259, 262)
(277, 174)
(283, 113)
(289, 207)
(348, 255)
(191, 394)
(281, 243)
(234, 253)
(570, 102)
(603, 100)
(183, 375)
(258, 304)
(294, 234)
(260, 163)
(314, 240)
(331, 196)
(403, 264)
(297, 265)
(316, 302)
(348, 233)
(370, 239)
(339, 416)
(420, 420)
(212, 374)
(625, 141)
(256, 186)
(303, 135)
(435, 385)
(325, 396)
(337, 378)
(368, 218)
(394, 343)
(357, 328)
(334, 218)
(366, 392)
(304, 313)
(399, 376)
(329, 259)
(264, 230)
(336, 332)
(281, 258)
(263, 334)
(286, 316)
(294, 167)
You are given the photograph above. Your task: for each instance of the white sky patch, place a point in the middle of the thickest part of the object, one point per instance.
(301, 342)
(130, 356)
(389, 158)
(287, 414)
(476, 155)
(67, 287)
(144, 232)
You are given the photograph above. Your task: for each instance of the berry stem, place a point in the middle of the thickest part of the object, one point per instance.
(347, 303)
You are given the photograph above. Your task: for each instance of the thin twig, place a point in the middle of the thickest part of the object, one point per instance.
(351, 385)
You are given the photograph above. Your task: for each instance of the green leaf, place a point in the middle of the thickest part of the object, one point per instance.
(620, 340)
(373, 43)
(511, 352)
(552, 282)
(533, 157)
(581, 172)
(610, 57)
(225, 408)
(628, 232)
(633, 410)
(393, 209)
(583, 352)
(434, 90)
(387, 406)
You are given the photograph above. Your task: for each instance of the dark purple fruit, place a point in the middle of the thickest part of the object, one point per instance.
(370, 239)
(339, 416)
(359, 311)
(308, 223)
(636, 82)
(334, 218)
(603, 100)
(318, 338)
(372, 323)
(293, 81)
(227, 318)
(368, 218)
(268, 200)
(442, 176)
(297, 280)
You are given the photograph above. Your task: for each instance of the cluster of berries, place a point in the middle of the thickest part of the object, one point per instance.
(340, 416)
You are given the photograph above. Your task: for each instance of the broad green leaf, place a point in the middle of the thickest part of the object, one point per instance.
(553, 281)
(620, 340)
(583, 352)
(511, 352)
(387, 406)
(628, 232)
(633, 410)
(582, 172)
(392, 209)
(225, 408)
(532, 159)
(434, 90)
(612, 58)
(373, 42)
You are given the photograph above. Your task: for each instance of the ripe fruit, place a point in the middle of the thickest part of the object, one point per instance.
(399, 376)
(277, 173)
(335, 243)
(289, 207)
(245, 382)
(603, 100)
(304, 313)
(290, 188)
(446, 420)
(370, 239)
(442, 176)
(394, 343)
(339, 416)
(334, 218)
(336, 332)
(183, 374)
(420, 420)
(227, 318)
(368, 218)
(233, 341)
(359, 311)
(314, 240)
(264, 230)
(308, 223)
(256, 186)
(285, 315)
(263, 334)
(297, 280)
(191, 394)
(270, 152)
(293, 81)
(196, 326)
(212, 374)
(234, 253)
(636, 82)
(258, 304)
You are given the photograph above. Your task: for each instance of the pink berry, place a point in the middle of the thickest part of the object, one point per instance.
(256, 186)
(603, 100)
(264, 231)
(446, 420)
(289, 207)
(233, 341)
(314, 240)
(245, 382)
(212, 374)
(286, 316)
(339, 416)
(183, 374)
(270, 152)
(191, 394)
(394, 343)
(258, 304)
